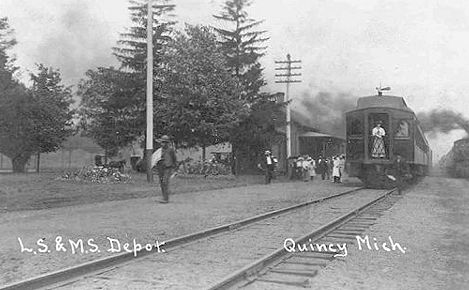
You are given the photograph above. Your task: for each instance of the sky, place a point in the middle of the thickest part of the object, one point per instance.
(419, 48)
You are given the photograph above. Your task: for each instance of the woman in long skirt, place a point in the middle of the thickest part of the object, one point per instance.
(336, 169)
(305, 166)
(378, 133)
(312, 168)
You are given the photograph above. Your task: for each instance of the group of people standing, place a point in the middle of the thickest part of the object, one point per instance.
(306, 168)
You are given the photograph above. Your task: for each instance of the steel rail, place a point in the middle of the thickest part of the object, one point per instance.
(256, 267)
(87, 268)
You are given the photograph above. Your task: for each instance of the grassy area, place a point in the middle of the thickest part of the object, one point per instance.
(43, 190)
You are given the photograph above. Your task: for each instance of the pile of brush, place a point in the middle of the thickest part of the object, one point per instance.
(97, 175)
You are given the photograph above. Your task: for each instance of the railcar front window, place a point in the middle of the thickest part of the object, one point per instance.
(355, 126)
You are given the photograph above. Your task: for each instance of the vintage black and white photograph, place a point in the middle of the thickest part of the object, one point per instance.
(234, 144)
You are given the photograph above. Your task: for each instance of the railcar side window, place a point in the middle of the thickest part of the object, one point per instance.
(402, 129)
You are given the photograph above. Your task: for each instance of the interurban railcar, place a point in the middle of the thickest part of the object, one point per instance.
(456, 162)
(367, 158)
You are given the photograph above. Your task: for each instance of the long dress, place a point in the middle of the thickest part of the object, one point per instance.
(378, 150)
(312, 168)
(341, 168)
(336, 169)
(305, 166)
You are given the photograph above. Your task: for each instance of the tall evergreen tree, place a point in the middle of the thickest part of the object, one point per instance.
(113, 106)
(132, 47)
(242, 46)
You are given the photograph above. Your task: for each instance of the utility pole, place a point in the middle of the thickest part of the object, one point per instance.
(149, 139)
(287, 78)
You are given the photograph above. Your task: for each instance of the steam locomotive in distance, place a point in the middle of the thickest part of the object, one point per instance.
(456, 162)
(380, 128)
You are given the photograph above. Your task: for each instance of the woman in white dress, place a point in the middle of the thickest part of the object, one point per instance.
(311, 168)
(336, 169)
(305, 169)
(378, 149)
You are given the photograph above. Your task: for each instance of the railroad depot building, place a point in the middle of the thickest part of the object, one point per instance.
(305, 140)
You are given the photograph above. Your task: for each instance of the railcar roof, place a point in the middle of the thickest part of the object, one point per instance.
(382, 101)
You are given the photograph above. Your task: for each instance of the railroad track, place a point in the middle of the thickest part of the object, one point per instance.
(92, 274)
(287, 269)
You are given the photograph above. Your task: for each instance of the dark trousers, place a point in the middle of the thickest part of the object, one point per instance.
(164, 175)
(269, 173)
(399, 183)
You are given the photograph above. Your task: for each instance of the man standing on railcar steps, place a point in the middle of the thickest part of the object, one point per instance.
(165, 166)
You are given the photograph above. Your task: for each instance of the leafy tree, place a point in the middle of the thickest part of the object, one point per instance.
(52, 113)
(16, 125)
(257, 131)
(14, 105)
(202, 103)
(7, 68)
(111, 108)
(242, 46)
(33, 120)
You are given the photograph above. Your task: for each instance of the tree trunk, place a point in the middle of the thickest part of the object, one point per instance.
(19, 163)
(38, 161)
(203, 153)
(235, 159)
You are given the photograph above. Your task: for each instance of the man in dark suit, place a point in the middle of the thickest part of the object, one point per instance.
(165, 166)
(322, 167)
(268, 165)
(401, 169)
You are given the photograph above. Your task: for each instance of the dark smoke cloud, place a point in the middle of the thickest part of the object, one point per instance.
(442, 121)
(78, 41)
(327, 111)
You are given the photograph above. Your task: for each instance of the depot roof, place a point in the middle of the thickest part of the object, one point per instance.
(319, 135)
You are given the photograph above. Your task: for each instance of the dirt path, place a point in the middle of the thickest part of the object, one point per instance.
(431, 222)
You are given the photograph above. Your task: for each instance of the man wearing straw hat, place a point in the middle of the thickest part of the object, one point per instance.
(268, 165)
(165, 165)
